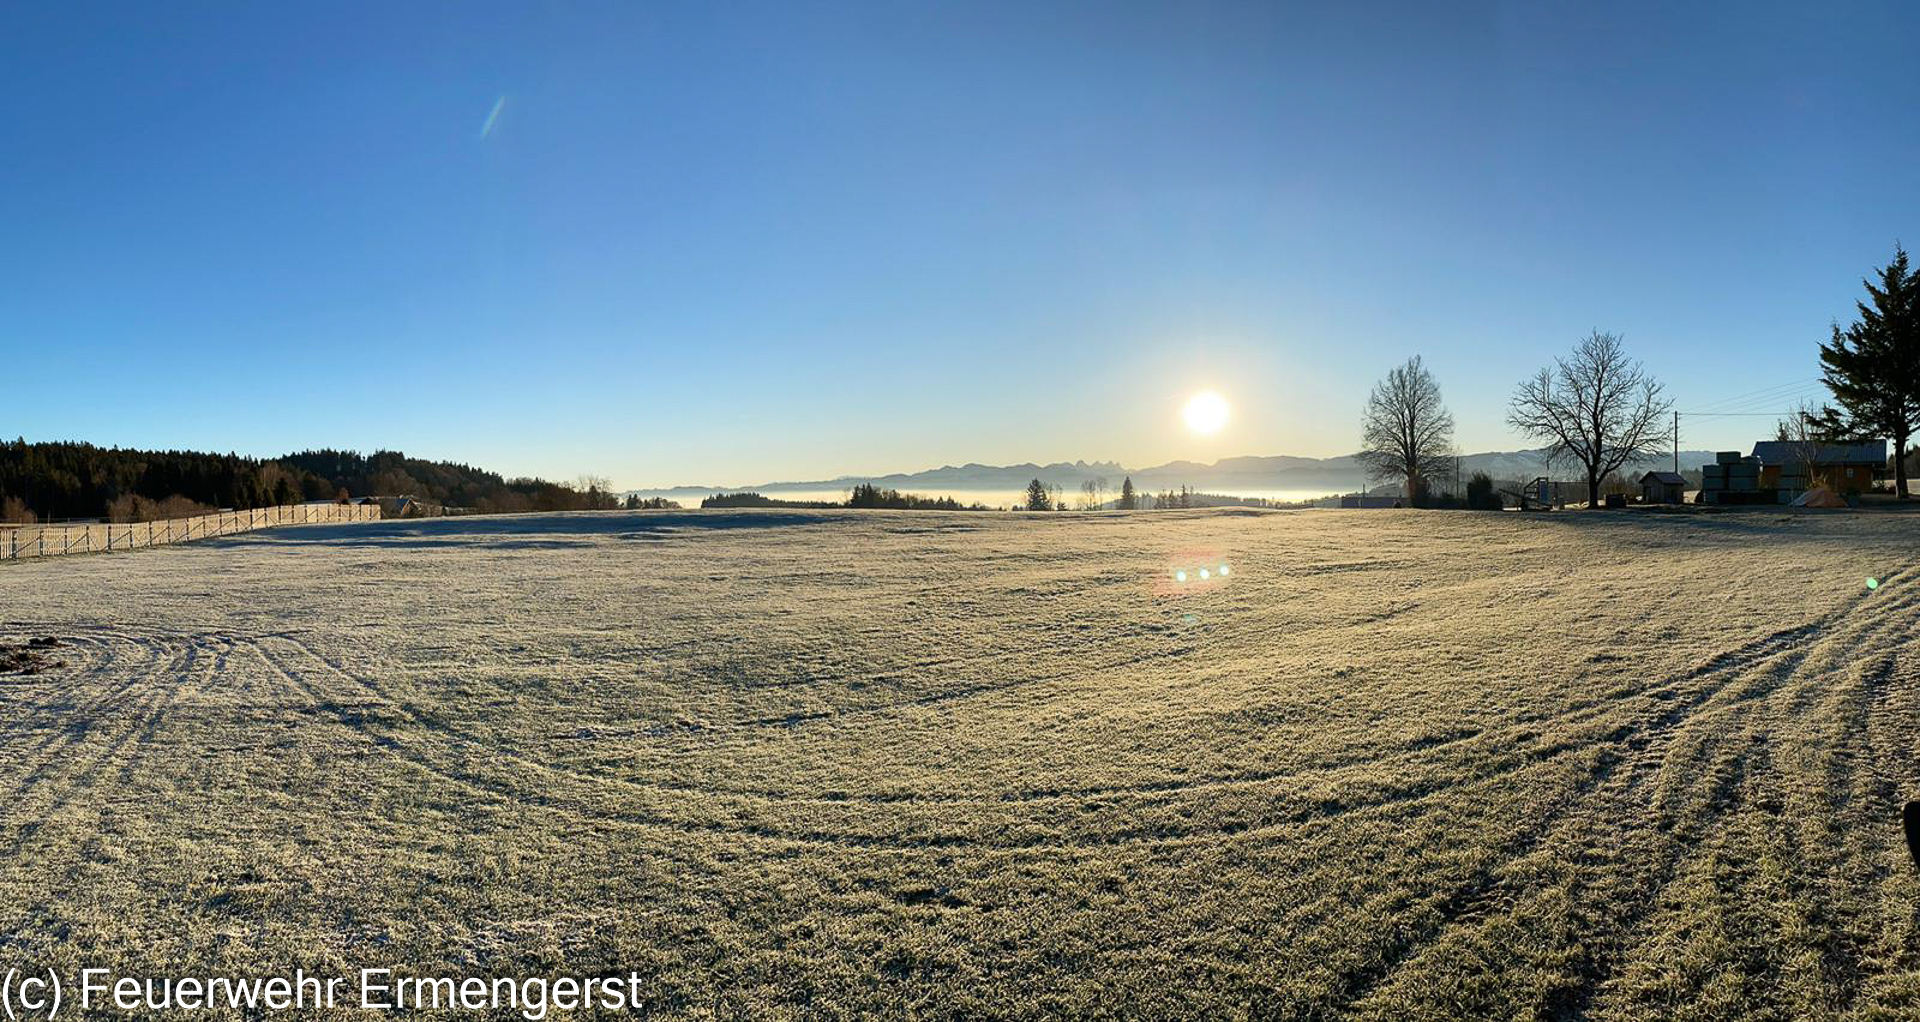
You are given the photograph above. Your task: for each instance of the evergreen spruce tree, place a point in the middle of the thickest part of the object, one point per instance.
(1037, 497)
(1873, 367)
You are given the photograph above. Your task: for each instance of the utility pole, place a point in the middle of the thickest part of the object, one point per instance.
(1676, 443)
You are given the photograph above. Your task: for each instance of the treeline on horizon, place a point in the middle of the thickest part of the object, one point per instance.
(865, 495)
(1039, 496)
(1092, 496)
(40, 481)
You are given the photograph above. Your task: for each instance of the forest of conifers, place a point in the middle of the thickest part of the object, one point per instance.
(76, 480)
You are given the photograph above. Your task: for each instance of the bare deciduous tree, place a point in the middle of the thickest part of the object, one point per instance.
(1800, 432)
(1408, 433)
(14, 511)
(596, 493)
(1093, 493)
(1597, 407)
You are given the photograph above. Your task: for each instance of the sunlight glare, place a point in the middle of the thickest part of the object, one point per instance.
(1205, 413)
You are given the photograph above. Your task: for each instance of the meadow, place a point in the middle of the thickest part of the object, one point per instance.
(1389, 764)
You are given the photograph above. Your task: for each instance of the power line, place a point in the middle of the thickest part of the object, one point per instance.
(1721, 415)
(1788, 385)
(1797, 397)
(1773, 393)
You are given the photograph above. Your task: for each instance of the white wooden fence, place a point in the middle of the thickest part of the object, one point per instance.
(18, 541)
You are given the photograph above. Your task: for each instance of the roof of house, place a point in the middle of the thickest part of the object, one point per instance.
(1670, 478)
(1781, 452)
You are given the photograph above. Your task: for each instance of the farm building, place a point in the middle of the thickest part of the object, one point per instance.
(1843, 468)
(1663, 488)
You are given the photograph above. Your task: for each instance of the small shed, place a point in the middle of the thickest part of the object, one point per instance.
(1663, 488)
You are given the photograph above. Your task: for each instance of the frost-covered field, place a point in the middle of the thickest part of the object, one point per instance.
(1396, 764)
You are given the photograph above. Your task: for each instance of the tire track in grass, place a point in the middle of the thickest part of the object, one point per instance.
(1820, 659)
(1827, 815)
(1300, 812)
(1685, 812)
(1764, 665)
(1295, 812)
(100, 762)
(75, 720)
(139, 704)
(1893, 941)
(791, 720)
(1307, 812)
(49, 709)
(205, 661)
(1562, 866)
(1460, 753)
(173, 668)
(1497, 881)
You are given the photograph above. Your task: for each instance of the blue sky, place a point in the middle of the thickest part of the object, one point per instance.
(732, 243)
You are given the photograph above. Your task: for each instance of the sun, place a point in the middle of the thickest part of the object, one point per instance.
(1205, 413)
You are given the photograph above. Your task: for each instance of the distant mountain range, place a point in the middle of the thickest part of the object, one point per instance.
(1249, 475)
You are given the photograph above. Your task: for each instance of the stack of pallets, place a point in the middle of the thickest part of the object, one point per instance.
(1732, 479)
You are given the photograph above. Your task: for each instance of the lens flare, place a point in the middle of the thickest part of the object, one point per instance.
(1190, 572)
(493, 116)
(1873, 583)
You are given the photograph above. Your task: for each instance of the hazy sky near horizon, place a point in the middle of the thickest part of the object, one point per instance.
(736, 243)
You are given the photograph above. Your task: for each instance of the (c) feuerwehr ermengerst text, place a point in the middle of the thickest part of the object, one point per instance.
(95, 990)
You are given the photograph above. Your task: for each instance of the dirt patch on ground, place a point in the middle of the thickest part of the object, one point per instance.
(31, 657)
